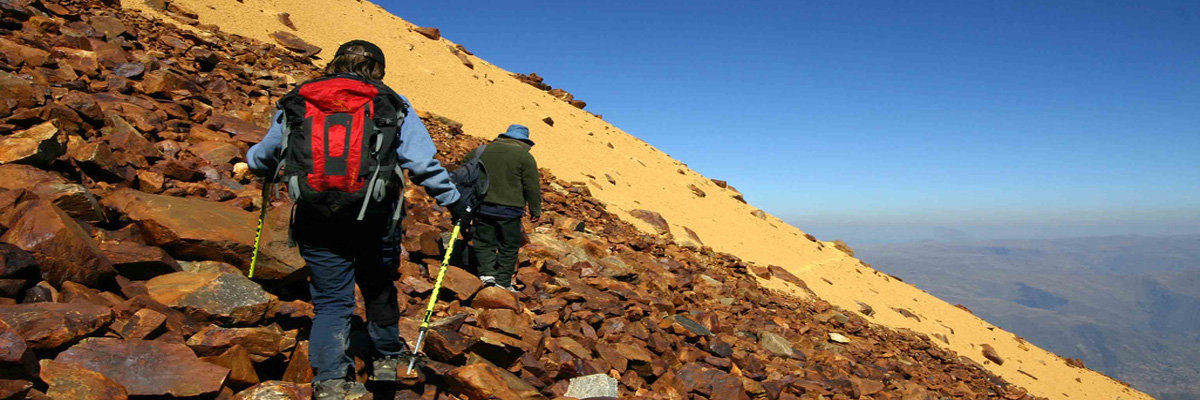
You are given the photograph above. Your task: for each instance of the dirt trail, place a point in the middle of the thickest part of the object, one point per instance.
(581, 147)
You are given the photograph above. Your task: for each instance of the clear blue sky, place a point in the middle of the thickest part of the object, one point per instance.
(887, 121)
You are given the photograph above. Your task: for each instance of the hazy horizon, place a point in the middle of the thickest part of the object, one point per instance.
(863, 231)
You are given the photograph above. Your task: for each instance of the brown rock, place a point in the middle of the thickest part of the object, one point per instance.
(298, 370)
(241, 370)
(70, 381)
(990, 353)
(16, 93)
(52, 325)
(494, 297)
(429, 32)
(144, 324)
(147, 367)
(786, 275)
(580, 104)
(483, 381)
(16, 263)
(62, 248)
(655, 220)
(96, 159)
(123, 136)
(216, 153)
(17, 54)
(137, 261)
(38, 145)
(696, 190)
(457, 280)
(16, 389)
(150, 181)
(16, 357)
(202, 230)
(548, 121)
(295, 44)
(277, 390)
(759, 214)
(261, 342)
(505, 321)
(109, 26)
(163, 82)
(286, 20)
(212, 295)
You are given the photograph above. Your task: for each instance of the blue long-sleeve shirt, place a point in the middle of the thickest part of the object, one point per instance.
(416, 153)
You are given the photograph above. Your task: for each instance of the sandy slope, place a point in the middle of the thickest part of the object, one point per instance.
(582, 147)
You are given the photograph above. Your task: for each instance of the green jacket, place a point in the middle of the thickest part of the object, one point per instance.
(513, 178)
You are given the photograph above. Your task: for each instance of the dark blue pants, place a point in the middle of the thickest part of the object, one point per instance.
(339, 252)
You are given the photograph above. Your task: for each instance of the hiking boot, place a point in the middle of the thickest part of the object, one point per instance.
(339, 389)
(488, 280)
(384, 369)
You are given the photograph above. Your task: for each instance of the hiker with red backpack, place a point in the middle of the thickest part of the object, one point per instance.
(340, 144)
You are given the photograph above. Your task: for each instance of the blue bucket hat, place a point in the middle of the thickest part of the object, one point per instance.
(519, 132)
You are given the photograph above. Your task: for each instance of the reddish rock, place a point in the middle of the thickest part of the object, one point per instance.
(162, 82)
(16, 93)
(16, 389)
(990, 353)
(483, 381)
(110, 27)
(260, 342)
(202, 230)
(16, 358)
(212, 295)
(759, 214)
(286, 20)
(16, 263)
(429, 32)
(696, 191)
(298, 370)
(38, 145)
(52, 325)
(216, 153)
(295, 43)
(241, 369)
(96, 159)
(61, 247)
(70, 381)
(494, 297)
(147, 367)
(462, 283)
(138, 261)
(144, 324)
(276, 390)
(655, 220)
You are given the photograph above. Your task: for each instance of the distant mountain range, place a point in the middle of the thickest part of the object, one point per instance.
(1128, 306)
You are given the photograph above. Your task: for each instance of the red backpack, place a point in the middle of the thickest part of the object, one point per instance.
(339, 146)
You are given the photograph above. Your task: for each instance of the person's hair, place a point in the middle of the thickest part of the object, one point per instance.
(355, 60)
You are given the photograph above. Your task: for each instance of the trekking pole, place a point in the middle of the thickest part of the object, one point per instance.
(437, 285)
(262, 220)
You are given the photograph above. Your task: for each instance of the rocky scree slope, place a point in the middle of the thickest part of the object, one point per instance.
(127, 223)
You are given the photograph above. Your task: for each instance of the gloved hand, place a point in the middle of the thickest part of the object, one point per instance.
(458, 210)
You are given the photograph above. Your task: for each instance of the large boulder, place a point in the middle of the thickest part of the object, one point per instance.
(61, 247)
(16, 357)
(195, 229)
(51, 325)
(148, 367)
(220, 296)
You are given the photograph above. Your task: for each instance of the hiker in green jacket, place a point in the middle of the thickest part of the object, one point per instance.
(513, 183)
